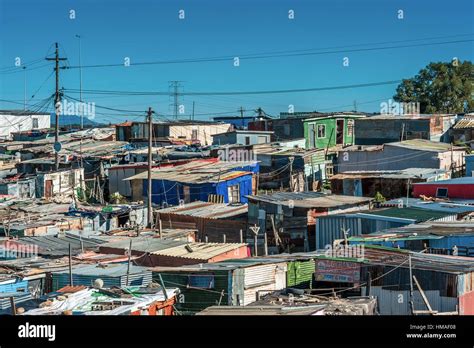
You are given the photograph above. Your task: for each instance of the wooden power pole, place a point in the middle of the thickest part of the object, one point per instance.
(57, 98)
(150, 160)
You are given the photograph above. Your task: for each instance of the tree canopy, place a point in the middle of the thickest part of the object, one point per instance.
(440, 88)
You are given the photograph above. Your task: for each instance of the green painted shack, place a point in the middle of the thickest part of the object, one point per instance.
(328, 131)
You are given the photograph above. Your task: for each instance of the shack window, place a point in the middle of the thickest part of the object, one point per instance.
(321, 131)
(35, 123)
(247, 140)
(194, 135)
(262, 139)
(234, 193)
(442, 192)
(203, 281)
(350, 128)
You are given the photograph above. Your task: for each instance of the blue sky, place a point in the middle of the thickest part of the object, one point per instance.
(147, 30)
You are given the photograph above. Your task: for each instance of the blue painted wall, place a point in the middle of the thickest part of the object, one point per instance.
(451, 241)
(469, 165)
(237, 122)
(171, 192)
(15, 287)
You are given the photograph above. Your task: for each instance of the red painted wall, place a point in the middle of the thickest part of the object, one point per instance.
(466, 304)
(464, 191)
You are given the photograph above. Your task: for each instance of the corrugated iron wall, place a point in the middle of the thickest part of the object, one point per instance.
(399, 279)
(214, 229)
(192, 300)
(329, 228)
(397, 302)
(138, 279)
(300, 274)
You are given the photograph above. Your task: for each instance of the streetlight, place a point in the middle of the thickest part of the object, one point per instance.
(80, 82)
(24, 88)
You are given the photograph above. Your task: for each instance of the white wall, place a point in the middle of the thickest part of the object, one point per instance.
(13, 123)
(64, 182)
(203, 132)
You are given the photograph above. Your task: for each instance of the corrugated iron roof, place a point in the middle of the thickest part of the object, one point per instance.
(200, 251)
(309, 199)
(142, 244)
(225, 265)
(399, 257)
(59, 246)
(199, 171)
(72, 289)
(465, 123)
(390, 174)
(207, 210)
(467, 180)
(426, 145)
(108, 270)
(441, 205)
(416, 214)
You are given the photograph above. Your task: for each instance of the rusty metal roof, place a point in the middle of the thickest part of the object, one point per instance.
(309, 199)
(426, 145)
(207, 210)
(72, 289)
(200, 251)
(390, 174)
(198, 172)
(465, 123)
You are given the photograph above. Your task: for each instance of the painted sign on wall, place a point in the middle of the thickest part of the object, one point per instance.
(337, 271)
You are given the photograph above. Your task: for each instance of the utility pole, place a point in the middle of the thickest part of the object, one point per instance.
(57, 99)
(291, 174)
(128, 262)
(452, 161)
(24, 88)
(193, 111)
(80, 83)
(412, 305)
(150, 144)
(70, 266)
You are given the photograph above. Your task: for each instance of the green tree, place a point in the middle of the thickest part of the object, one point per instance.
(440, 88)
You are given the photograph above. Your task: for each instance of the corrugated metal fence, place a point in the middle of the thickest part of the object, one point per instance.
(397, 302)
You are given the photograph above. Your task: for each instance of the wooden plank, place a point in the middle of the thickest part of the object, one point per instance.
(425, 299)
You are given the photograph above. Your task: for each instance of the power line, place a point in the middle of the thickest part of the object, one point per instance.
(281, 91)
(293, 53)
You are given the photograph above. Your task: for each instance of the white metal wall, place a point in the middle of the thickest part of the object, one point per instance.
(13, 123)
(268, 277)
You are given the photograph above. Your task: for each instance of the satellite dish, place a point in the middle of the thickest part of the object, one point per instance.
(98, 283)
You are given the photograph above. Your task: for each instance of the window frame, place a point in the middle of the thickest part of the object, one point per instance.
(231, 191)
(317, 130)
(442, 196)
(212, 282)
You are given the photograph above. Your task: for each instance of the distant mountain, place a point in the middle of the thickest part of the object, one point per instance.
(72, 120)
